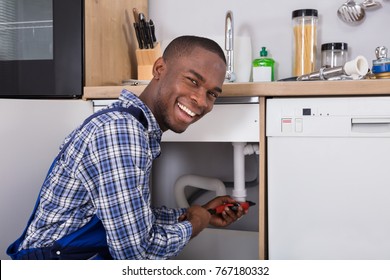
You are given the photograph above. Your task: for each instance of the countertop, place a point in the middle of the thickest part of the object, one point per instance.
(270, 89)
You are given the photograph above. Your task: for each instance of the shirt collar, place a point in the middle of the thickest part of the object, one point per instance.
(128, 98)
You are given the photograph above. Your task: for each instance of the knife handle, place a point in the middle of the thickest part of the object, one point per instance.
(149, 37)
(138, 35)
(152, 30)
(146, 34)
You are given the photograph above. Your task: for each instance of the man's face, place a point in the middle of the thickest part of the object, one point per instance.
(188, 89)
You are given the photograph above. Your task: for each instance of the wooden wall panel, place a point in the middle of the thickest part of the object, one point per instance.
(110, 41)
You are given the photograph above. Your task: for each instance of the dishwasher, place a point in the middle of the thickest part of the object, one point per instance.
(328, 178)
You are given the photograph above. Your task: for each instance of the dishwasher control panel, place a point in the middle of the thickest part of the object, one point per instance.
(352, 116)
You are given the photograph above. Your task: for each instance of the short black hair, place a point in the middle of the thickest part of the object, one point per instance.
(184, 45)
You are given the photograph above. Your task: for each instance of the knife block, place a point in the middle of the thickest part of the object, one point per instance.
(145, 61)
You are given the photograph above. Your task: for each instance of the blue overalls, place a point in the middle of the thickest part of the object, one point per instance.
(88, 242)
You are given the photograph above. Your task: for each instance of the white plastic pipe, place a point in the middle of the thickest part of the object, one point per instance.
(240, 150)
(201, 182)
(356, 67)
(239, 191)
(251, 149)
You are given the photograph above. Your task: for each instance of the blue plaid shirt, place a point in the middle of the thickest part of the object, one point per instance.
(105, 172)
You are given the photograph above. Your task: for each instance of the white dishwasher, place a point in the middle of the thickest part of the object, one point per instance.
(328, 178)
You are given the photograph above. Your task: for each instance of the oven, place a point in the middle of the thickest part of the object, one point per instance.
(41, 48)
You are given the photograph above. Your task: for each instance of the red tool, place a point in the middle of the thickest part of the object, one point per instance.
(233, 206)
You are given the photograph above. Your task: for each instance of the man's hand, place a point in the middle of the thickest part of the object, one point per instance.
(228, 216)
(199, 218)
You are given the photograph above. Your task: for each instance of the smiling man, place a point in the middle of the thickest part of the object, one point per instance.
(187, 80)
(95, 200)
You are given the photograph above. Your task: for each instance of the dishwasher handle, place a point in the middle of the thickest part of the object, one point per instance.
(370, 124)
(370, 120)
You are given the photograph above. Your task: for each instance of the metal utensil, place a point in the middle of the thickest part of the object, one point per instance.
(351, 12)
(371, 5)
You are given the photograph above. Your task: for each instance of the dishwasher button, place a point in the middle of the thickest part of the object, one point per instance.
(298, 125)
(287, 125)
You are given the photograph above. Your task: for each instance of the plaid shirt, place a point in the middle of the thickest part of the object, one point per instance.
(105, 171)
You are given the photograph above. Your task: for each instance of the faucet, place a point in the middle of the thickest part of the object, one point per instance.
(229, 33)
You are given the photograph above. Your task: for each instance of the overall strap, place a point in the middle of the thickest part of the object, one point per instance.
(12, 250)
(136, 112)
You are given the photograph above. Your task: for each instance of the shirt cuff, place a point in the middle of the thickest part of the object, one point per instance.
(186, 230)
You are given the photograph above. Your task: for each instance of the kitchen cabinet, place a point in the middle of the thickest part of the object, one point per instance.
(110, 41)
(267, 90)
(205, 156)
(31, 134)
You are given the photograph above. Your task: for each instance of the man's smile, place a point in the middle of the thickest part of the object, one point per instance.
(186, 110)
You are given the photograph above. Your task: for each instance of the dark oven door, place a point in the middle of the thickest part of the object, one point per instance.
(41, 48)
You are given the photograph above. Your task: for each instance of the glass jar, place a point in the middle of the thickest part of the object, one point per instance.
(334, 54)
(381, 66)
(305, 23)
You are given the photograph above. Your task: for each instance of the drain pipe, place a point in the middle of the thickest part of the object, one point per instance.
(200, 182)
(241, 149)
(239, 191)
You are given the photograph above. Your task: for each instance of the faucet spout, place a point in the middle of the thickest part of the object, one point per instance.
(229, 45)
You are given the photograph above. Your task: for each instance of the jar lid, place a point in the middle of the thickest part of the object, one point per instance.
(385, 75)
(334, 46)
(304, 12)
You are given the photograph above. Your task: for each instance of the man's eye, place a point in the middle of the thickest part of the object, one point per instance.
(193, 81)
(213, 94)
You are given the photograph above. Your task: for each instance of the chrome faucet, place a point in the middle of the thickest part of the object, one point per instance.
(229, 38)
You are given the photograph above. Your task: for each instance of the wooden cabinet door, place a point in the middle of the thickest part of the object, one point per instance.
(110, 41)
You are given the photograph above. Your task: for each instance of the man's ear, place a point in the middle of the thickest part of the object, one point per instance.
(158, 68)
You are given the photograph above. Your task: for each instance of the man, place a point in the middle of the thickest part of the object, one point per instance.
(95, 201)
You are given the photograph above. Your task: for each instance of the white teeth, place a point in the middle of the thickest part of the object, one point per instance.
(185, 109)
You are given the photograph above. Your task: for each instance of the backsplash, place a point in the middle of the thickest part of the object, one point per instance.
(269, 24)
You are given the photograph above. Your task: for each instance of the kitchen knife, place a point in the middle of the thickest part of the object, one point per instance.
(142, 32)
(149, 35)
(145, 32)
(138, 35)
(152, 30)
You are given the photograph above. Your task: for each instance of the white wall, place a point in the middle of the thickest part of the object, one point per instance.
(269, 24)
(31, 132)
